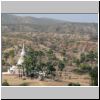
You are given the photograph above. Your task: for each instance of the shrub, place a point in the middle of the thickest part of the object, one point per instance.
(4, 69)
(85, 67)
(94, 76)
(5, 83)
(73, 84)
(79, 71)
(24, 78)
(75, 50)
(23, 84)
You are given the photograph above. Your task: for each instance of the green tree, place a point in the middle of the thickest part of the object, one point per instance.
(11, 53)
(11, 57)
(82, 58)
(28, 64)
(3, 62)
(77, 62)
(94, 76)
(91, 56)
(85, 67)
(50, 69)
(33, 61)
(61, 65)
(6, 55)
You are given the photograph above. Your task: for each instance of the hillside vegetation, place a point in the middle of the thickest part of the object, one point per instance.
(66, 47)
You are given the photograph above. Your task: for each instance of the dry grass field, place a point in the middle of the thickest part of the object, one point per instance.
(16, 81)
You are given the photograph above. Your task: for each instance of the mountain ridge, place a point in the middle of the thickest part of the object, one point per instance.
(13, 23)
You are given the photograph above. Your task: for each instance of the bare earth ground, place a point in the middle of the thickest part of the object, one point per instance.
(16, 81)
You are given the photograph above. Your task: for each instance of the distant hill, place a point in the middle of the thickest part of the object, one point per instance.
(13, 19)
(13, 23)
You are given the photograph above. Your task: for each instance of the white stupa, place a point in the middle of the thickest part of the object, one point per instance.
(21, 59)
(14, 68)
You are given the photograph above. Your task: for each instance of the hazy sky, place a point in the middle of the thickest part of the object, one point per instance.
(67, 17)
